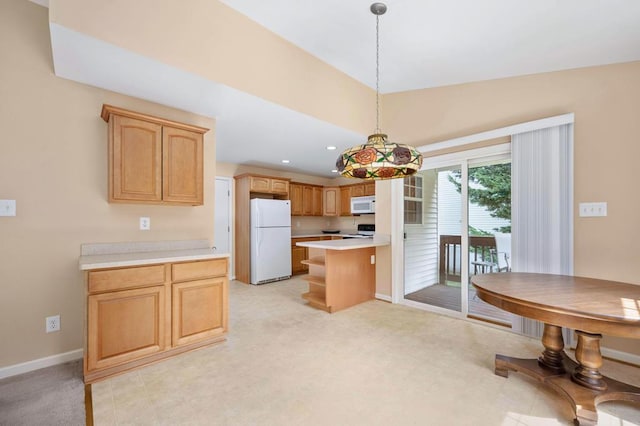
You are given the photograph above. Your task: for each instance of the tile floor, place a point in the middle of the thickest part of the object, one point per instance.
(285, 363)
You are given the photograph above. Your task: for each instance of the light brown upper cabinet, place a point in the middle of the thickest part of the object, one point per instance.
(317, 203)
(331, 201)
(267, 185)
(295, 195)
(357, 190)
(306, 200)
(345, 201)
(153, 160)
(369, 188)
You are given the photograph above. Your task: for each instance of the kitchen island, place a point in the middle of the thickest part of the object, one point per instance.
(342, 273)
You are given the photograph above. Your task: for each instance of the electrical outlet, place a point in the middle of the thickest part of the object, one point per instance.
(7, 207)
(52, 323)
(145, 223)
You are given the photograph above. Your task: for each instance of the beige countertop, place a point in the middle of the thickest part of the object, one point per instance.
(113, 255)
(348, 244)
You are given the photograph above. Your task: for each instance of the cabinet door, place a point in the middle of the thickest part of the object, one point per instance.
(198, 310)
(298, 254)
(370, 188)
(357, 190)
(259, 184)
(317, 201)
(331, 202)
(124, 326)
(345, 201)
(307, 200)
(295, 195)
(135, 160)
(279, 186)
(182, 159)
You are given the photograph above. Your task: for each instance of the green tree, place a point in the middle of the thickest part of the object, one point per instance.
(490, 187)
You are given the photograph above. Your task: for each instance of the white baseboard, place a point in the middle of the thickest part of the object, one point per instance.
(620, 356)
(37, 364)
(383, 297)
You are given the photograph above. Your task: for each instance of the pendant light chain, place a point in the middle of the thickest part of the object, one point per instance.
(378, 74)
(378, 158)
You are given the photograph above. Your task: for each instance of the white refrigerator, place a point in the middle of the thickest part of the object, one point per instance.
(270, 240)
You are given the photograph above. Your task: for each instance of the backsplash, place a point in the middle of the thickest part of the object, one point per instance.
(343, 223)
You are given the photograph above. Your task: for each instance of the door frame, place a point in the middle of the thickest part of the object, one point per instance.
(232, 223)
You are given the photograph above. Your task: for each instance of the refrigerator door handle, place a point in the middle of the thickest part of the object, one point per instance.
(259, 244)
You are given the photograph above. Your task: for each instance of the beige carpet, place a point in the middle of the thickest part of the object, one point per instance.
(374, 364)
(49, 396)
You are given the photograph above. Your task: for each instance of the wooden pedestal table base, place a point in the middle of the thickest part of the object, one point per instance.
(577, 303)
(556, 370)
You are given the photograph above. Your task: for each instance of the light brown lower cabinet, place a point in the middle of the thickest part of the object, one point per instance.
(298, 254)
(198, 310)
(142, 314)
(124, 326)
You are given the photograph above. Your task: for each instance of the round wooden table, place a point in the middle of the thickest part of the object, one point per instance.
(590, 306)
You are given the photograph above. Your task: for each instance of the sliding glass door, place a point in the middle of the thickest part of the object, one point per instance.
(452, 213)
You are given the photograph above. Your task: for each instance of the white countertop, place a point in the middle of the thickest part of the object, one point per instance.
(348, 244)
(146, 258)
(114, 255)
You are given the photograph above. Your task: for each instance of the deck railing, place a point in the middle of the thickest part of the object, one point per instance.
(480, 249)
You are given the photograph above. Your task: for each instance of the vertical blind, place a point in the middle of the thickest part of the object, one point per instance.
(542, 207)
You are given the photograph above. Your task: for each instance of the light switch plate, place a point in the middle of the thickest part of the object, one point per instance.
(7, 207)
(593, 209)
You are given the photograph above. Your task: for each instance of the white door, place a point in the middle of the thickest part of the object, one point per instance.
(222, 216)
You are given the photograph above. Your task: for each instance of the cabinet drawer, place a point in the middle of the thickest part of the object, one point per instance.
(198, 270)
(123, 278)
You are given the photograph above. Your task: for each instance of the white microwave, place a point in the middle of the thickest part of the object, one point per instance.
(363, 205)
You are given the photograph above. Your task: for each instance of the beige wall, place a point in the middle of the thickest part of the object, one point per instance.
(53, 163)
(606, 102)
(211, 40)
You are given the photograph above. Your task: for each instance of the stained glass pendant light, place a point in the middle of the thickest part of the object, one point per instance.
(379, 158)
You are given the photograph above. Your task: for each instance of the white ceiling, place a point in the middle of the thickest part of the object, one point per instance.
(424, 43)
(429, 43)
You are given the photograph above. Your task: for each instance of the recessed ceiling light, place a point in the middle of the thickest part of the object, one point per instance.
(334, 171)
(331, 148)
(285, 161)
